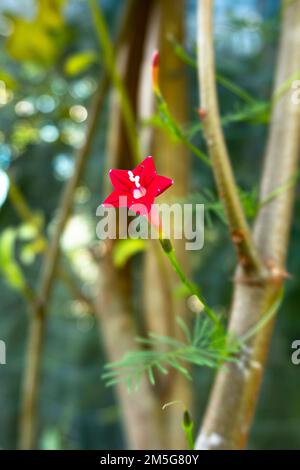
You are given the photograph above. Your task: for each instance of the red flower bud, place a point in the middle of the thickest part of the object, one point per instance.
(155, 71)
(202, 113)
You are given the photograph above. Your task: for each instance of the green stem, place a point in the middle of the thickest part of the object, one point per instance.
(110, 64)
(264, 319)
(176, 129)
(225, 82)
(284, 87)
(197, 152)
(188, 426)
(235, 89)
(170, 253)
(284, 187)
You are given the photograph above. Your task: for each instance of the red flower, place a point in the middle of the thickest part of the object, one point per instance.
(137, 189)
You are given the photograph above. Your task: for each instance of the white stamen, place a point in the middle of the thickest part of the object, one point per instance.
(138, 193)
(131, 176)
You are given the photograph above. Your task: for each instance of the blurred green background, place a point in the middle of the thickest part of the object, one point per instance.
(46, 83)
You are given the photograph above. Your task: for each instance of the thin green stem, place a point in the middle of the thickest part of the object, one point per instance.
(109, 59)
(235, 89)
(176, 129)
(196, 151)
(284, 87)
(188, 427)
(264, 319)
(225, 82)
(170, 253)
(284, 187)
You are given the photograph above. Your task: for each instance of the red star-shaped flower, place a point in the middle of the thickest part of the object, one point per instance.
(137, 189)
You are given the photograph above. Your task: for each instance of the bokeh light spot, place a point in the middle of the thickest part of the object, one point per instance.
(49, 133)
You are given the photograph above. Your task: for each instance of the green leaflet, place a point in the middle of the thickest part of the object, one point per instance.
(8, 265)
(205, 345)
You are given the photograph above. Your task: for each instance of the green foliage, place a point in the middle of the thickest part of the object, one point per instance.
(79, 62)
(255, 113)
(125, 249)
(249, 199)
(224, 81)
(40, 39)
(214, 206)
(32, 245)
(8, 79)
(9, 267)
(207, 345)
(70, 372)
(23, 134)
(164, 120)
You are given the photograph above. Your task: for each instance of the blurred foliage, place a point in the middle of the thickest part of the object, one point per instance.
(79, 62)
(39, 40)
(125, 249)
(50, 65)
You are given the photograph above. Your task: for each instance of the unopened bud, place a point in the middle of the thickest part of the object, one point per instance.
(187, 422)
(155, 71)
(166, 245)
(202, 113)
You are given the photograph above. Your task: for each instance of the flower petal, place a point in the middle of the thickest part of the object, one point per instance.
(117, 199)
(146, 171)
(120, 180)
(159, 184)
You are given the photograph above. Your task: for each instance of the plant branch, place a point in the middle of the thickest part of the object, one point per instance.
(29, 399)
(224, 177)
(234, 395)
(23, 210)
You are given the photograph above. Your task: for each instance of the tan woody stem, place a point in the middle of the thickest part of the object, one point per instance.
(224, 177)
(231, 407)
